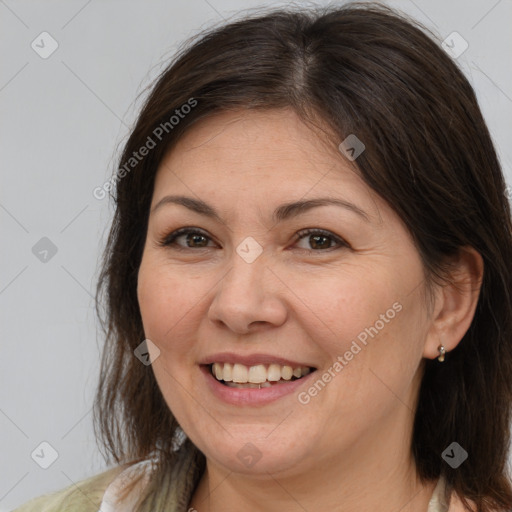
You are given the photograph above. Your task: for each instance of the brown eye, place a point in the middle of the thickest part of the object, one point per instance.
(194, 239)
(320, 240)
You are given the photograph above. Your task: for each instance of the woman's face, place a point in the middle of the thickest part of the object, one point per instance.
(255, 289)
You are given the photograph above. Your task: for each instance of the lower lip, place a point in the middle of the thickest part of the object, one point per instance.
(251, 396)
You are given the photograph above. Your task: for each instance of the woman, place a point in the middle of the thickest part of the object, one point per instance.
(307, 280)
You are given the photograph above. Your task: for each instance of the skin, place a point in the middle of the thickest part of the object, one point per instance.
(300, 301)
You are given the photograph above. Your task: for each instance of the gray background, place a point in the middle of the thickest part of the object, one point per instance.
(63, 119)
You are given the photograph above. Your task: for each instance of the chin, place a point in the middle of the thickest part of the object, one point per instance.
(254, 451)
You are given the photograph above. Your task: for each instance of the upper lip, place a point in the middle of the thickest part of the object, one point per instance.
(251, 359)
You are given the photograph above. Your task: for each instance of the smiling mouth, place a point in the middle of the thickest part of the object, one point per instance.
(255, 377)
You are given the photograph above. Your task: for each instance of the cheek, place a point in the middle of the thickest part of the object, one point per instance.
(348, 305)
(161, 301)
(163, 304)
(376, 326)
(171, 305)
(152, 299)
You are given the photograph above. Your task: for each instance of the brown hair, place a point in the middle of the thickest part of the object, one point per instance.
(360, 69)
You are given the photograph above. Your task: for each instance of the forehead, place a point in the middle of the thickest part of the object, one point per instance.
(244, 147)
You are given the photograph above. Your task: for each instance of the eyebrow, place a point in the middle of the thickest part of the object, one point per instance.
(281, 213)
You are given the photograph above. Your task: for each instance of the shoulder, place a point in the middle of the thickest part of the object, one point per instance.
(83, 496)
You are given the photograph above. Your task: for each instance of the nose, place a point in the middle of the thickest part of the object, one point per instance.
(248, 298)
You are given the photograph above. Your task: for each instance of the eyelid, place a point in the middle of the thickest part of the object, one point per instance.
(339, 242)
(169, 239)
(319, 231)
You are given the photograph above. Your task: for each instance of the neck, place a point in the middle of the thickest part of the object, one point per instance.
(372, 477)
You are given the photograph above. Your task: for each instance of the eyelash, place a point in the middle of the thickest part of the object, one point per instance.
(170, 240)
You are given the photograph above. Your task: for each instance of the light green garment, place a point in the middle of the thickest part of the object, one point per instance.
(90, 494)
(84, 496)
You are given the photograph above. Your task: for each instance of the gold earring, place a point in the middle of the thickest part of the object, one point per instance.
(442, 352)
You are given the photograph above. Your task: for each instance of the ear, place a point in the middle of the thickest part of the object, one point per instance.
(455, 302)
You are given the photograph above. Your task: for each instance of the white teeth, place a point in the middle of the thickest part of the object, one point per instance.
(240, 373)
(274, 372)
(258, 374)
(223, 371)
(217, 368)
(228, 372)
(286, 372)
